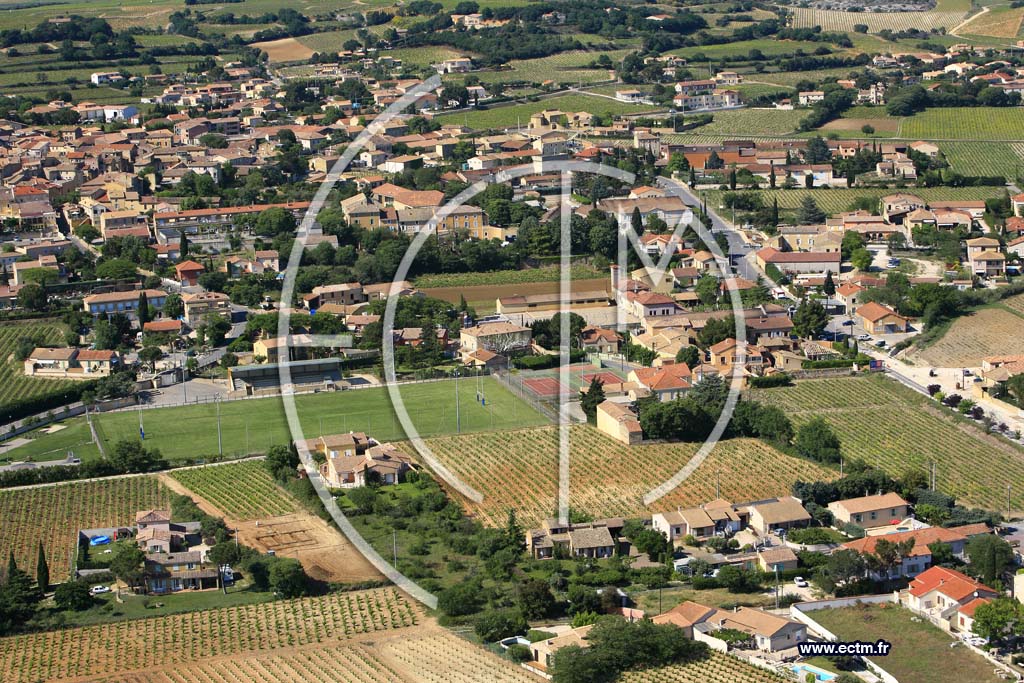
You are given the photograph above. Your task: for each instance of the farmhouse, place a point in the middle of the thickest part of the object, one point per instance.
(355, 459)
(171, 572)
(870, 511)
(620, 422)
(543, 651)
(770, 633)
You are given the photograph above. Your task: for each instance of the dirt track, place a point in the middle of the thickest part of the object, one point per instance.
(324, 552)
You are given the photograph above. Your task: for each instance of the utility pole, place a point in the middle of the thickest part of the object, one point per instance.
(394, 545)
(1008, 501)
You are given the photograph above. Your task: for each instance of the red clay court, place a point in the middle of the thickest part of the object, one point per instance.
(544, 387)
(602, 377)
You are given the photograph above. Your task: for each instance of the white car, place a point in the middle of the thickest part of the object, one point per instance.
(863, 337)
(801, 582)
(99, 590)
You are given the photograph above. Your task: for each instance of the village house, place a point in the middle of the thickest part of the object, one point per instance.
(799, 262)
(919, 558)
(542, 651)
(188, 272)
(879, 319)
(172, 572)
(768, 632)
(939, 594)
(201, 304)
(122, 302)
(666, 383)
(502, 338)
(70, 363)
(599, 340)
(719, 517)
(767, 517)
(870, 511)
(590, 539)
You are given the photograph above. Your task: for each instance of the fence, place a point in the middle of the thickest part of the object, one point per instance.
(514, 384)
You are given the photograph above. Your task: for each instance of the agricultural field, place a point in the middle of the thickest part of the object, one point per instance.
(520, 470)
(751, 123)
(833, 201)
(483, 298)
(991, 331)
(185, 434)
(741, 49)
(241, 490)
(519, 114)
(717, 668)
(54, 514)
(1002, 22)
(965, 123)
(892, 427)
(791, 78)
(439, 658)
(506, 277)
(14, 385)
(284, 50)
(917, 645)
(837, 20)
(564, 67)
(984, 158)
(182, 639)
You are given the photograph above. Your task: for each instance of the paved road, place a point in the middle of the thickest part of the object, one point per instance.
(741, 254)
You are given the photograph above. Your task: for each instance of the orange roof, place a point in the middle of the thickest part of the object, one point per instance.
(922, 539)
(968, 609)
(874, 311)
(949, 582)
(187, 266)
(685, 614)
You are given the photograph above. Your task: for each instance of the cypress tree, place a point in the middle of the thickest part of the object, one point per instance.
(42, 569)
(182, 246)
(143, 308)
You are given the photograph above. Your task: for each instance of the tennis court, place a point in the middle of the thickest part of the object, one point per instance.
(543, 387)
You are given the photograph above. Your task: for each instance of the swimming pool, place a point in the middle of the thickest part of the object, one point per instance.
(801, 671)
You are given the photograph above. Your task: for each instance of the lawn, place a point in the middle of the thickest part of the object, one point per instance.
(921, 652)
(506, 277)
(892, 427)
(251, 426)
(519, 114)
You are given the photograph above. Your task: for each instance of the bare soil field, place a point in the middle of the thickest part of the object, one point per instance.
(1000, 23)
(483, 297)
(991, 331)
(324, 552)
(880, 125)
(284, 50)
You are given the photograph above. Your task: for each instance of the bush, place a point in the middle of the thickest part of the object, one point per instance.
(498, 624)
(519, 653)
(779, 379)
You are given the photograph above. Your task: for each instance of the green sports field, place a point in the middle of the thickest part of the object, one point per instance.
(251, 426)
(507, 117)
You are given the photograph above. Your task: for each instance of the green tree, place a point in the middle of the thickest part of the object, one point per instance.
(287, 578)
(72, 595)
(33, 297)
(126, 562)
(808, 213)
(861, 259)
(816, 440)
(1015, 385)
(174, 307)
(716, 330)
(999, 619)
(809, 319)
(116, 269)
(637, 221)
(494, 625)
(131, 456)
(990, 557)
(42, 569)
(707, 289)
(142, 308)
(281, 462)
(690, 355)
(182, 245)
(534, 598)
(151, 354)
(461, 599)
(829, 288)
(591, 399)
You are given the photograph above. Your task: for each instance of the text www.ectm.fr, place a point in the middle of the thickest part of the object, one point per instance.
(879, 648)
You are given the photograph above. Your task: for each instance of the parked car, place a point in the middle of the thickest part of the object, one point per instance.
(880, 343)
(99, 590)
(801, 582)
(863, 337)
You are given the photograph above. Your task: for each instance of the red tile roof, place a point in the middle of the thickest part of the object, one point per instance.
(949, 582)
(922, 538)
